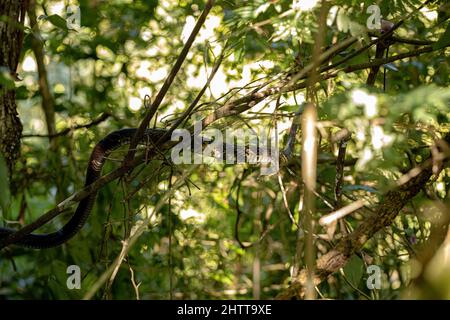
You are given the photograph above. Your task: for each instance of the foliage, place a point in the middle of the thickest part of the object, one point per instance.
(123, 52)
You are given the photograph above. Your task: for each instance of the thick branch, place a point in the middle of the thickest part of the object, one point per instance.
(404, 40)
(385, 213)
(12, 14)
(237, 106)
(232, 107)
(48, 102)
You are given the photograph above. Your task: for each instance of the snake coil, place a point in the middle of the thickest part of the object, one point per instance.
(98, 156)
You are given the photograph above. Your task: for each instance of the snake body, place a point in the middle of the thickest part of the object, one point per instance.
(97, 159)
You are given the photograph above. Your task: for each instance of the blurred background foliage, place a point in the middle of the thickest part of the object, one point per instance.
(124, 50)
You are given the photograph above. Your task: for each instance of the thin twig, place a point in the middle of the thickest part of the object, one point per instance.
(100, 119)
(166, 85)
(128, 243)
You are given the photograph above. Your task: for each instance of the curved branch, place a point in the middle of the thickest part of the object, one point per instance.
(385, 213)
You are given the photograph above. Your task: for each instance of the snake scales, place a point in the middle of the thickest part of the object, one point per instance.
(98, 156)
(97, 159)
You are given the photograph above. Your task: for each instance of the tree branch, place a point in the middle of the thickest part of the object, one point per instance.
(385, 213)
(64, 205)
(104, 116)
(166, 85)
(48, 102)
(232, 107)
(239, 105)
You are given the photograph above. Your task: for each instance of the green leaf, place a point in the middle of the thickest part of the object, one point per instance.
(343, 21)
(58, 22)
(444, 41)
(355, 28)
(289, 108)
(4, 185)
(262, 8)
(354, 270)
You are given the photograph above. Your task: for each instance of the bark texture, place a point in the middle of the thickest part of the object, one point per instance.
(12, 16)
